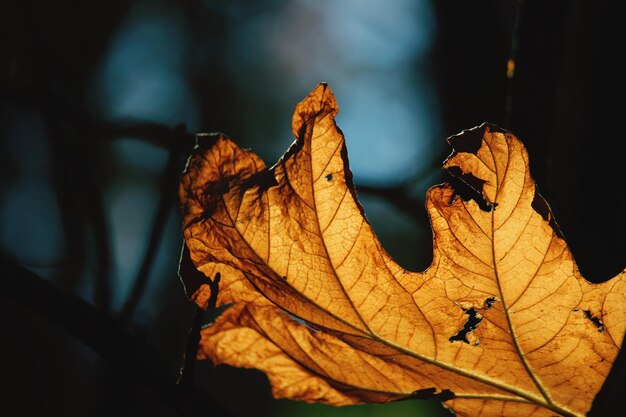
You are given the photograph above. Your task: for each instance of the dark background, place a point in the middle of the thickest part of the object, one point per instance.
(99, 104)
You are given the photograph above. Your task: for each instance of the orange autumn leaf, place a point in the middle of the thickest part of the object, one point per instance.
(501, 324)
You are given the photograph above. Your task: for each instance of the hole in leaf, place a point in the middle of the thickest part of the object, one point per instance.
(431, 394)
(470, 140)
(468, 187)
(473, 320)
(207, 140)
(595, 320)
(489, 302)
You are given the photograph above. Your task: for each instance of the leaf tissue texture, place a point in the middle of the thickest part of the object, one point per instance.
(501, 324)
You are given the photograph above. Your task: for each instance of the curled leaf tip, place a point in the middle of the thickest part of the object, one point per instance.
(320, 102)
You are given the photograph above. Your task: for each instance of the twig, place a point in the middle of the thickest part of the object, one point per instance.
(398, 196)
(102, 290)
(154, 133)
(169, 179)
(75, 175)
(187, 370)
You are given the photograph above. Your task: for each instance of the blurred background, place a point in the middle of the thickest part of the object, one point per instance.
(99, 104)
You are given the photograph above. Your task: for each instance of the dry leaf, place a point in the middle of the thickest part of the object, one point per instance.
(501, 323)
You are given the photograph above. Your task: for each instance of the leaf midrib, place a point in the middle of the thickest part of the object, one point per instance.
(547, 400)
(528, 397)
(505, 309)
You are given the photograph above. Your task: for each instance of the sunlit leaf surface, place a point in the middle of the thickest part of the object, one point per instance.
(501, 323)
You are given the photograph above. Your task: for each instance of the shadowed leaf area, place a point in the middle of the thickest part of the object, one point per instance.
(501, 324)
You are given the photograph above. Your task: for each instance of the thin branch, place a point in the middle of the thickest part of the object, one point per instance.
(186, 372)
(188, 273)
(398, 196)
(97, 215)
(186, 375)
(169, 179)
(154, 133)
